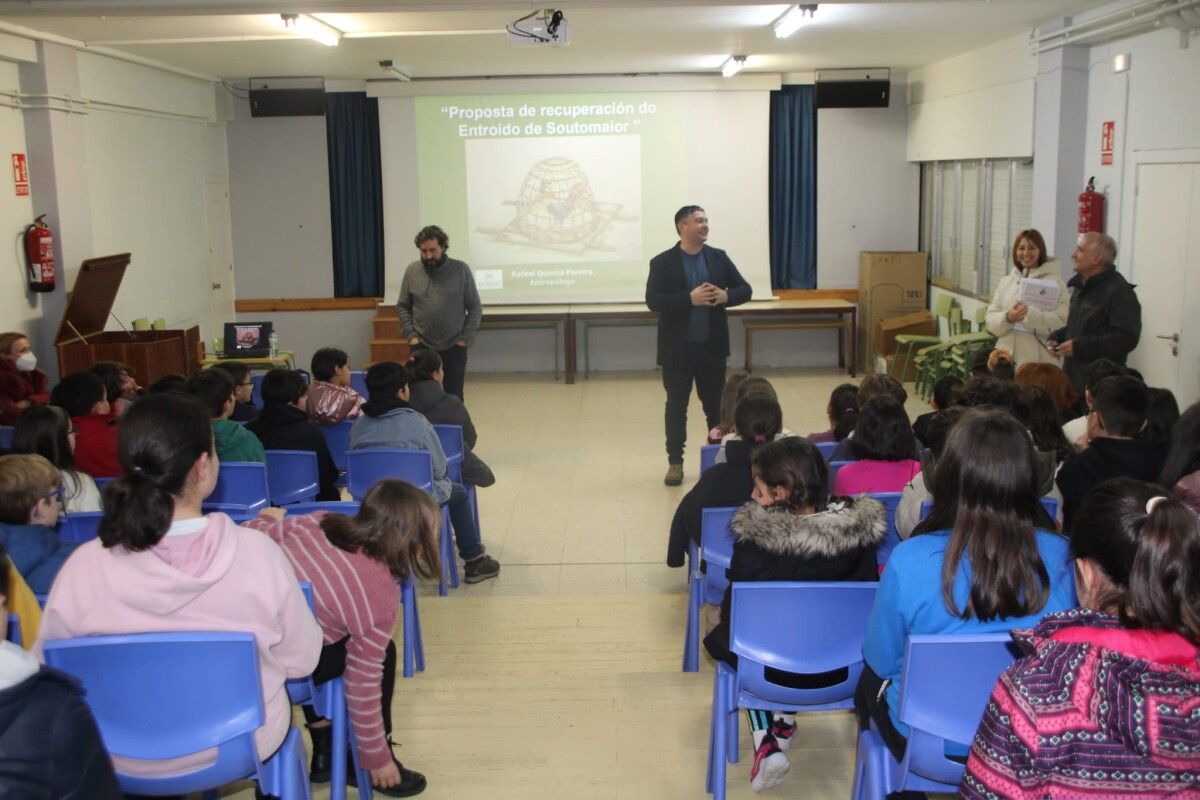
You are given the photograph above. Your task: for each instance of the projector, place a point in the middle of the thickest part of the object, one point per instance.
(545, 26)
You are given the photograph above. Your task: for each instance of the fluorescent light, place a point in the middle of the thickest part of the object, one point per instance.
(792, 19)
(313, 28)
(732, 66)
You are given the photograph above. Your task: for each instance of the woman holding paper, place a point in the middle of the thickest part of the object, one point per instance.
(1030, 302)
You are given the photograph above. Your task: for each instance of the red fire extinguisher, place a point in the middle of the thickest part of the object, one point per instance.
(39, 255)
(1091, 209)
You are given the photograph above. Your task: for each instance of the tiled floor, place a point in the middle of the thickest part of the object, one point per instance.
(562, 676)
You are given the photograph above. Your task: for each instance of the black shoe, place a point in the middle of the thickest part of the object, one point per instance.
(411, 782)
(480, 569)
(322, 754)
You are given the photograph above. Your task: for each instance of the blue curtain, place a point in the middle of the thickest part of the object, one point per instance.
(355, 193)
(793, 188)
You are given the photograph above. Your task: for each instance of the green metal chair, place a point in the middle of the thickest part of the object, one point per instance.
(908, 343)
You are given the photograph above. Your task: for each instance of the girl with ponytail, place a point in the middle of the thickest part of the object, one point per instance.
(1103, 703)
(794, 531)
(160, 564)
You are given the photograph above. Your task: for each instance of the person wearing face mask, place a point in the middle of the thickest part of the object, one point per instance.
(1019, 326)
(439, 306)
(21, 383)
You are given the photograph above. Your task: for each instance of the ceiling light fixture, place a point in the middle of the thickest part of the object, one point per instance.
(388, 65)
(793, 19)
(733, 65)
(312, 28)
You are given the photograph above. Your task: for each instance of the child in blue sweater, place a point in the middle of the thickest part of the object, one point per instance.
(30, 488)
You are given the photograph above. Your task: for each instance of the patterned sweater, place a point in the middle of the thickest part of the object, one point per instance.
(1093, 710)
(355, 596)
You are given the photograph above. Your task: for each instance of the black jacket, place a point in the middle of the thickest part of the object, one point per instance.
(774, 544)
(50, 748)
(441, 408)
(283, 427)
(1105, 321)
(667, 293)
(722, 485)
(1103, 459)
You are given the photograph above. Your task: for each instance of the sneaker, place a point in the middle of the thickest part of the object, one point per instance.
(674, 475)
(783, 732)
(480, 569)
(770, 765)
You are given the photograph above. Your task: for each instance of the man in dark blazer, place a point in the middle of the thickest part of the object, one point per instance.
(690, 286)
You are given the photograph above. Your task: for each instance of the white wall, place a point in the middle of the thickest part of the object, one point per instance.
(868, 194)
(18, 307)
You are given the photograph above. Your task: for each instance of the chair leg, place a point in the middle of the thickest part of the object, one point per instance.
(408, 600)
(361, 773)
(340, 738)
(446, 546)
(731, 718)
(285, 774)
(717, 734)
(691, 636)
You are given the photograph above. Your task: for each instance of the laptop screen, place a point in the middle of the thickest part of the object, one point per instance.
(247, 338)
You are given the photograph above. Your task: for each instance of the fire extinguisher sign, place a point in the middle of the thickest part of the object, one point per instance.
(20, 170)
(1107, 131)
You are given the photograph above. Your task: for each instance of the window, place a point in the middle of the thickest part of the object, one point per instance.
(970, 212)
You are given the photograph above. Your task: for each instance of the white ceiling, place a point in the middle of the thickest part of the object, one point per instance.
(237, 39)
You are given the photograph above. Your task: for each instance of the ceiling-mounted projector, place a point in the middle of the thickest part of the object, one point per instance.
(545, 26)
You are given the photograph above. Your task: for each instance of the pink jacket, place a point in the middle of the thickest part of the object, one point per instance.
(222, 578)
(329, 404)
(868, 476)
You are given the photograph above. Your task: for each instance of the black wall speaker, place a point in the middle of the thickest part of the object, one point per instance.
(287, 97)
(853, 88)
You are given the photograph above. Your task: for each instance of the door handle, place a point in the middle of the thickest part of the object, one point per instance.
(1172, 338)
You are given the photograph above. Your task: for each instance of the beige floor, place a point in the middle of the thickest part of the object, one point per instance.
(562, 676)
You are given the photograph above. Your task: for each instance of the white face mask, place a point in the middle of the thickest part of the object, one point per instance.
(27, 362)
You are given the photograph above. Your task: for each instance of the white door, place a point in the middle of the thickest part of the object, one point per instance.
(1165, 265)
(220, 257)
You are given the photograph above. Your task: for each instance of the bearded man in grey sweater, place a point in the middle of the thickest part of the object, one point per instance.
(439, 306)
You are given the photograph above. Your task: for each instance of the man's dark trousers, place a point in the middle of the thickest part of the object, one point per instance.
(704, 364)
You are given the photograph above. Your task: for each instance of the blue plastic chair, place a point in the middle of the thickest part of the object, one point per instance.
(349, 507)
(82, 526)
(143, 714)
(13, 634)
(256, 394)
(358, 382)
(825, 630)
(827, 449)
(365, 467)
(708, 456)
(329, 700)
(6, 437)
(455, 448)
(834, 466)
(102, 482)
(891, 536)
(1048, 503)
(292, 476)
(337, 438)
(241, 489)
(944, 687)
(708, 586)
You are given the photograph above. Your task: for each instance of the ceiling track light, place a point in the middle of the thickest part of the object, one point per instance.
(390, 66)
(792, 19)
(732, 66)
(310, 27)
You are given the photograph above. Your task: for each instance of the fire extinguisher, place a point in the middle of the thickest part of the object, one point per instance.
(1091, 209)
(39, 255)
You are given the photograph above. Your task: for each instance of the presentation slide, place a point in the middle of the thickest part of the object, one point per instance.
(564, 198)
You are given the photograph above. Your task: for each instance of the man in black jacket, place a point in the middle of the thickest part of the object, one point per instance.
(690, 286)
(1105, 319)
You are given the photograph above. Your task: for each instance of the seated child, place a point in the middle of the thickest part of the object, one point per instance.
(82, 396)
(388, 420)
(283, 425)
(49, 432)
(119, 384)
(943, 397)
(842, 412)
(871, 386)
(214, 388)
(729, 398)
(353, 564)
(29, 492)
(884, 450)
(793, 531)
(330, 397)
(243, 390)
(441, 408)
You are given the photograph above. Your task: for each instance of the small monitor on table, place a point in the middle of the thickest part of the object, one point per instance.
(247, 340)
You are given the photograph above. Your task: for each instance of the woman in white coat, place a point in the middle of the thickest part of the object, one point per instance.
(1018, 326)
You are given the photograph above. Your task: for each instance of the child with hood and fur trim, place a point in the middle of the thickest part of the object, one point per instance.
(793, 531)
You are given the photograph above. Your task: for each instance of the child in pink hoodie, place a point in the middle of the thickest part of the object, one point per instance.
(161, 565)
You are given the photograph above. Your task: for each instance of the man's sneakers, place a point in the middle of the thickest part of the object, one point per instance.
(674, 475)
(480, 569)
(770, 765)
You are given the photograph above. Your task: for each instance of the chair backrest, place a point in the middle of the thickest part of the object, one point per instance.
(132, 685)
(1048, 503)
(945, 684)
(824, 627)
(349, 507)
(337, 438)
(102, 482)
(834, 466)
(81, 526)
(942, 305)
(708, 456)
(358, 381)
(292, 476)
(365, 467)
(891, 537)
(13, 634)
(451, 437)
(6, 436)
(241, 488)
(827, 449)
(716, 550)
